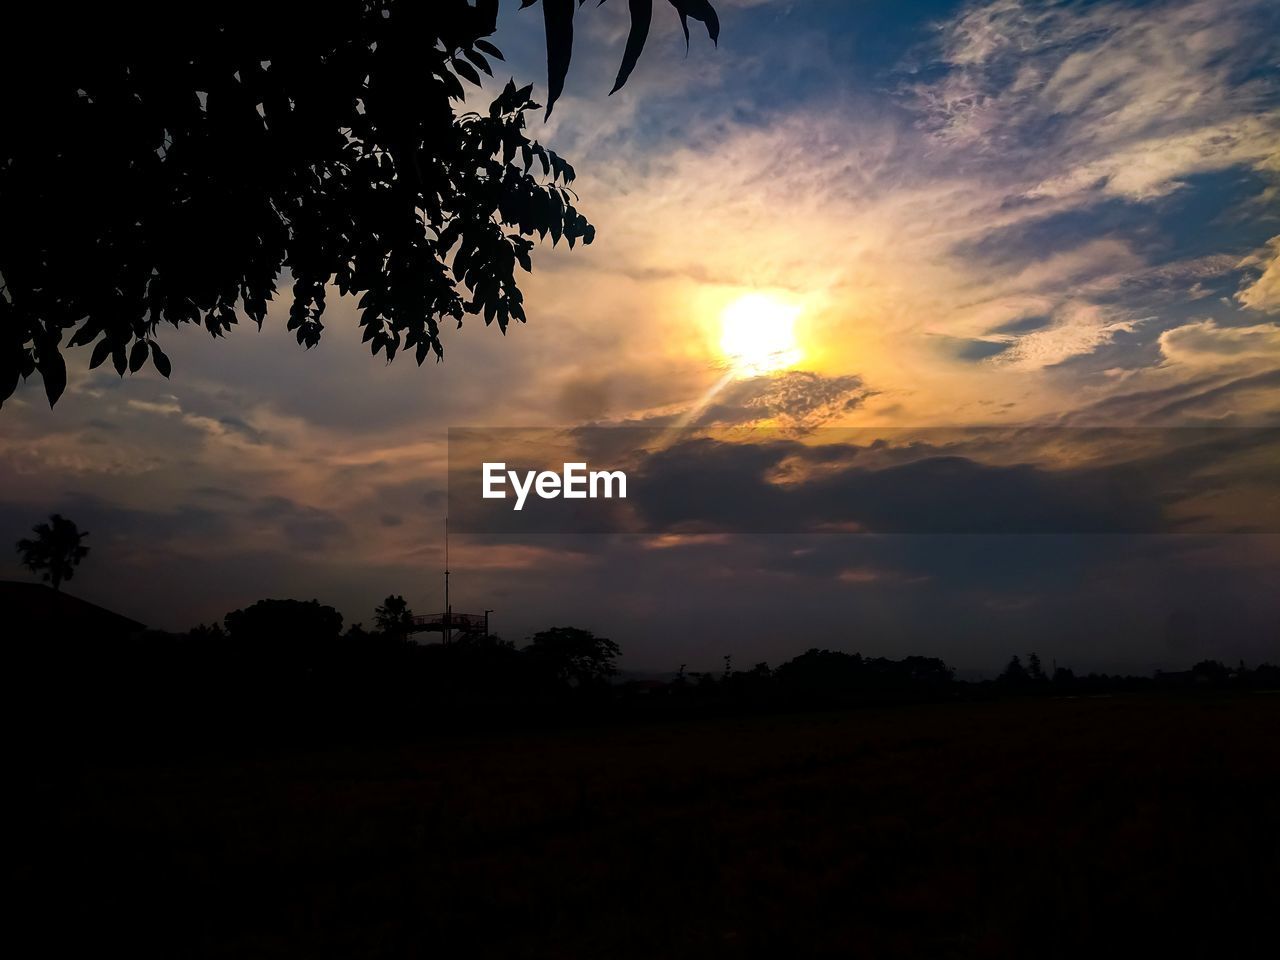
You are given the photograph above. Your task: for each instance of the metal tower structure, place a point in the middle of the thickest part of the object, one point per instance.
(448, 622)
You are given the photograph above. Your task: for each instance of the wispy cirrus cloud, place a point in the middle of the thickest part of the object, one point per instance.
(1263, 291)
(1124, 98)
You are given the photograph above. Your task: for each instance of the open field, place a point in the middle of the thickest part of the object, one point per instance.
(1007, 829)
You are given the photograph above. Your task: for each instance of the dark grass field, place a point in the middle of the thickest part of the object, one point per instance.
(1003, 829)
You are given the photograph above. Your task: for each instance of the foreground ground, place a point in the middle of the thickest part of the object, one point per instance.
(1007, 829)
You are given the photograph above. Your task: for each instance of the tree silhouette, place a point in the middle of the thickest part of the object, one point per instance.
(394, 616)
(284, 622)
(1015, 673)
(572, 656)
(283, 636)
(174, 181)
(56, 550)
(1035, 670)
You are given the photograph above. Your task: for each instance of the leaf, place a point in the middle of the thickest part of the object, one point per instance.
(479, 61)
(488, 10)
(161, 360)
(117, 358)
(101, 350)
(557, 16)
(9, 374)
(641, 16)
(702, 11)
(84, 335)
(465, 70)
(684, 23)
(454, 88)
(137, 356)
(485, 46)
(54, 371)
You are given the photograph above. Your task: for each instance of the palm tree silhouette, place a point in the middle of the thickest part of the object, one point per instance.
(56, 550)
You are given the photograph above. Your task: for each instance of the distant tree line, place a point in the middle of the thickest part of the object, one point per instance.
(289, 668)
(289, 665)
(292, 660)
(1031, 678)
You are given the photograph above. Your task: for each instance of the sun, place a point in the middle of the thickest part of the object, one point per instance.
(758, 335)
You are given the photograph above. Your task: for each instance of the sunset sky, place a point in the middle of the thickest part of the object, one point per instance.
(999, 213)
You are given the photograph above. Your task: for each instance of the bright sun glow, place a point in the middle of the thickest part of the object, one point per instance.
(758, 336)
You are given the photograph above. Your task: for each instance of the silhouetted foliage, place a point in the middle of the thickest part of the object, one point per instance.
(827, 673)
(1210, 670)
(1265, 676)
(174, 179)
(290, 671)
(280, 637)
(204, 634)
(1015, 674)
(1035, 671)
(571, 656)
(394, 616)
(558, 16)
(271, 620)
(56, 550)
(356, 633)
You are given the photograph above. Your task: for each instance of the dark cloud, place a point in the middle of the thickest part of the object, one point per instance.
(984, 480)
(237, 425)
(305, 528)
(722, 486)
(219, 493)
(1193, 399)
(1167, 403)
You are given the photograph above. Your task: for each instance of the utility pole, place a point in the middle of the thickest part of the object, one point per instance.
(487, 634)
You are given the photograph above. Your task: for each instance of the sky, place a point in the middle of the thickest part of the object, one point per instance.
(1020, 216)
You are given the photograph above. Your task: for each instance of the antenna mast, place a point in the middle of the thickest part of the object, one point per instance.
(448, 610)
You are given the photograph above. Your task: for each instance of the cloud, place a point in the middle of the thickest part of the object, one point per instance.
(1217, 396)
(1050, 481)
(1126, 99)
(1206, 343)
(1157, 166)
(1263, 293)
(794, 398)
(303, 527)
(1076, 329)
